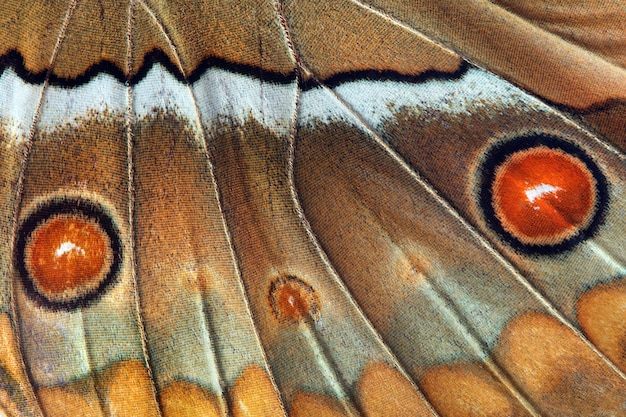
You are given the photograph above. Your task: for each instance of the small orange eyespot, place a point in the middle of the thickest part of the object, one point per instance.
(292, 299)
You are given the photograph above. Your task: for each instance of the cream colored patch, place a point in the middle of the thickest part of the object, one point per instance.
(254, 395)
(78, 399)
(316, 405)
(559, 373)
(128, 390)
(185, 399)
(602, 316)
(384, 392)
(468, 390)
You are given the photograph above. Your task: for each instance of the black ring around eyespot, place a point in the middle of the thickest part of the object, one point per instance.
(72, 206)
(500, 152)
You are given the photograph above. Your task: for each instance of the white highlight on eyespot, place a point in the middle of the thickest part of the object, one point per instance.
(541, 190)
(68, 247)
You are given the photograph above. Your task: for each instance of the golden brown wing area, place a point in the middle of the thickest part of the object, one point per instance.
(305, 208)
(569, 53)
(96, 33)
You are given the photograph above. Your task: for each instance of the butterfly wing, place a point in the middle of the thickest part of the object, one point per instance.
(311, 208)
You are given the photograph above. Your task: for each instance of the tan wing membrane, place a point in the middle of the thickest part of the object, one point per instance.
(567, 53)
(96, 33)
(544, 63)
(17, 395)
(149, 36)
(189, 289)
(455, 160)
(82, 342)
(243, 33)
(32, 29)
(337, 37)
(597, 27)
(453, 312)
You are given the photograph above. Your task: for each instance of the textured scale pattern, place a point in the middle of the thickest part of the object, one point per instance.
(312, 208)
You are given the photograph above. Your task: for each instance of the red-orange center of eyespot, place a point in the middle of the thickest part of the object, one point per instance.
(543, 193)
(66, 253)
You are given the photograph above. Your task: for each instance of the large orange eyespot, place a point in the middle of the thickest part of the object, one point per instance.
(67, 253)
(542, 194)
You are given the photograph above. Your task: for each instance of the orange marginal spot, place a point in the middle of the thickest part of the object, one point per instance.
(128, 390)
(385, 392)
(316, 405)
(254, 395)
(602, 316)
(468, 389)
(182, 398)
(292, 299)
(543, 195)
(559, 373)
(77, 399)
(67, 252)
